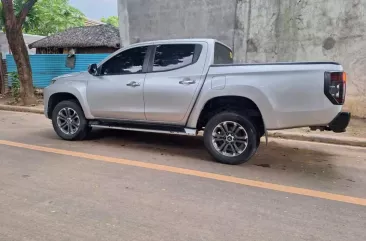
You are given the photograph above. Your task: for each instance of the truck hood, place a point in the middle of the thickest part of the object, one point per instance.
(77, 76)
(71, 75)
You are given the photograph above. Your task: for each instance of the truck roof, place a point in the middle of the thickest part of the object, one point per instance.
(164, 41)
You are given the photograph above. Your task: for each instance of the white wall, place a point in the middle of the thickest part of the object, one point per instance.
(4, 46)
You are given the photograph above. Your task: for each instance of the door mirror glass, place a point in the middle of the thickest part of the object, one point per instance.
(93, 69)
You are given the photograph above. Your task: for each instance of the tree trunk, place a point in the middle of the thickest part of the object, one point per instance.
(21, 58)
(13, 29)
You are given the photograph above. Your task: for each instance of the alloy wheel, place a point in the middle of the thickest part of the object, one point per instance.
(230, 139)
(68, 121)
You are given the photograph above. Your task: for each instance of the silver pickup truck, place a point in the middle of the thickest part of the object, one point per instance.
(192, 85)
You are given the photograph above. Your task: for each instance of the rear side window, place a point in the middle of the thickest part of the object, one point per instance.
(175, 56)
(223, 54)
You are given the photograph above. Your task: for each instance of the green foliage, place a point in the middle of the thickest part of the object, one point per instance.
(113, 20)
(48, 17)
(52, 16)
(15, 86)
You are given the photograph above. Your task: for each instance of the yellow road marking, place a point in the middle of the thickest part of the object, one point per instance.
(219, 177)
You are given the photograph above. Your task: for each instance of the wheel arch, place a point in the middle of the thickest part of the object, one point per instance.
(239, 104)
(58, 97)
(256, 95)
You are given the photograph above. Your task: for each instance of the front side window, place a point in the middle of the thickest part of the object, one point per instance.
(130, 61)
(173, 56)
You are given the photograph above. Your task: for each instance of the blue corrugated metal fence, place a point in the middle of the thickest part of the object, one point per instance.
(47, 66)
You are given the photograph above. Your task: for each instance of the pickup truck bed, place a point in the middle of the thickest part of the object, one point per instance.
(289, 95)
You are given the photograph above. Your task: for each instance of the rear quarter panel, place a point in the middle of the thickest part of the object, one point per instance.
(288, 95)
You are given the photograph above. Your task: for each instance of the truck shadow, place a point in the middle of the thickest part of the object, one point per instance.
(277, 156)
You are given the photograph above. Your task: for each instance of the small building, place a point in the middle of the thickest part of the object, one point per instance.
(103, 38)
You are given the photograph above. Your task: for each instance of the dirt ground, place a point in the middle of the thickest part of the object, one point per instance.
(7, 99)
(356, 128)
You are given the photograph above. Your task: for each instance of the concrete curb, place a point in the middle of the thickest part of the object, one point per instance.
(21, 109)
(346, 141)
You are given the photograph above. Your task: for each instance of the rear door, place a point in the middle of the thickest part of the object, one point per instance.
(173, 81)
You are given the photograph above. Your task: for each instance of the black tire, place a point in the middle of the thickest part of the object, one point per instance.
(83, 130)
(260, 133)
(258, 140)
(252, 137)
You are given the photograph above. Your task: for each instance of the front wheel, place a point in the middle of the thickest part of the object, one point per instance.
(69, 122)
(231, 138)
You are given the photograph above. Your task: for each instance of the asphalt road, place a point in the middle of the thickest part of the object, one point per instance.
(123, 185)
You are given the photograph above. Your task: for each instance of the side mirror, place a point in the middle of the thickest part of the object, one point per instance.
(93, 69)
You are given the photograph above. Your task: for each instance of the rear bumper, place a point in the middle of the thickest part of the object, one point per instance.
(338, 125)
(341, 122)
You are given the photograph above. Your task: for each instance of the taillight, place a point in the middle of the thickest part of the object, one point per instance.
(335, 87)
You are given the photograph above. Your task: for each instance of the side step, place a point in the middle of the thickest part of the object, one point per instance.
(143, 127)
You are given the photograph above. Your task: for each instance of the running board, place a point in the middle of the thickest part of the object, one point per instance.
(152, 128)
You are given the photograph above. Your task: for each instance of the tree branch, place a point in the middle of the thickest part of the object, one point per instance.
(25, 10)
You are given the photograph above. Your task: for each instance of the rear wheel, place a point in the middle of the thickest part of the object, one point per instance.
(231, 138)
(69, 122)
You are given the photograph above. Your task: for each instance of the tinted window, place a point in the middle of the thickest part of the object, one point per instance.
(223, 54)
(126, 62)
(173, 56)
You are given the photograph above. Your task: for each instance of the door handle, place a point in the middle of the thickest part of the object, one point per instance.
(133, 84)
(187, 82)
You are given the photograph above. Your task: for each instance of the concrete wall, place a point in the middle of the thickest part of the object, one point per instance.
(158, 19)
(267, 31)
(309, 30)
(124, 23)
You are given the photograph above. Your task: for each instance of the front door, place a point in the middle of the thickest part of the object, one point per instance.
(173, 81)
(117, 92)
